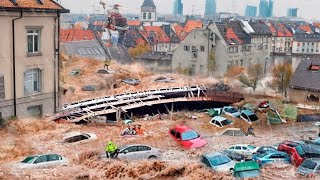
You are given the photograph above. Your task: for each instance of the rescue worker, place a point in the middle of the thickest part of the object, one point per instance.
(107, 63)
(111, 150)
(139, 130)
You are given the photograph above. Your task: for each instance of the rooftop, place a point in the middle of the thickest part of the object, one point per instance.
(307, 75)
(134, 22)
(155, 34)
(71, 35)
(148, 3)
(31, 4)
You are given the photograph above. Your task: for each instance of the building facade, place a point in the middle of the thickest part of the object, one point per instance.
(210, 8)
(29, 58)
(148, 11)
(306, 44)
(177, 8)
(251, 11)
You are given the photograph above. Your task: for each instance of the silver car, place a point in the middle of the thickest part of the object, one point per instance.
(43, 161)
(310, 167)
(139, 152)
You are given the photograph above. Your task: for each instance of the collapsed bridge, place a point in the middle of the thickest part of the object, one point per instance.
(122, 103)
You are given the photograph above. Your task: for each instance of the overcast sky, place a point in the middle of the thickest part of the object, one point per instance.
(307, 8)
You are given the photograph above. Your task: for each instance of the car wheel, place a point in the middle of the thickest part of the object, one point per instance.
(152, 157)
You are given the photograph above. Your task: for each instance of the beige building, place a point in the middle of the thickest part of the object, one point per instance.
(29, 51)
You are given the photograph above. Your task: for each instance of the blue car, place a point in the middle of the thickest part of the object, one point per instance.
(271, 157)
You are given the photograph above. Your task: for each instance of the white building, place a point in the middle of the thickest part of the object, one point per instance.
(148, 11)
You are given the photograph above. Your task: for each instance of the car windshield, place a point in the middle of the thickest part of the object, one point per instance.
(219, 160)
(247, 174)
(309, 164)
(29, 159)
(231, 110)
(226, 122)
(300, 151)
(189, 135)
(262, 154)
(251, 147)
(253, 117)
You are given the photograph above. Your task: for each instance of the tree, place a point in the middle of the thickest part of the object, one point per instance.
(211, 62)
(252, 78)
(282, 74)
(138, 50)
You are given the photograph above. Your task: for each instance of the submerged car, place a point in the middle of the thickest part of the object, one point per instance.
(247, 169)
(139, 152)
(77, 137)
(231, 111)
(218, 162)
(220, 121)
(304, 151)
(271, 157)
(232, 132)
(265, 149)
(233, 155)
(187, 137)
(131, 81)
(249, 116)
(288, 146)
(244, 149)
(309, 167)
(164, 79)
(43, 161)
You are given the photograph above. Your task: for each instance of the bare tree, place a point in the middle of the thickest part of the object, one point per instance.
(211, 63)
(282, 74)
(253, 76)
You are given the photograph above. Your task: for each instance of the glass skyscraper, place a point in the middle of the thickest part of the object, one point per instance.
(251, 11)
(177, 8)
(210, 8)
(266, 8)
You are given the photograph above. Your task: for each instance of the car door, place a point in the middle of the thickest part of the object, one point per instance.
(238, 149)
(144, 152)
(53, 160)
(129, 153)
(40, 162)
(231, 149)
(246, 151)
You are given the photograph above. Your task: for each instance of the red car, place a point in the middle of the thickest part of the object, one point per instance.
(304, 151)
(288, 146)
(187, 137)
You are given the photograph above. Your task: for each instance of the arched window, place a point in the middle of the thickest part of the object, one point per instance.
(144, 16)
(149, 16)
(313, 98)
(32, 81)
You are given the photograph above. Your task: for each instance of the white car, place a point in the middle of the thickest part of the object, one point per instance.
(244, 149)
(43, 161)
(77, 137)
(231, 132)
(231, 111)
(139, 152)
(218, 162)
(220, 121)
(249, 116)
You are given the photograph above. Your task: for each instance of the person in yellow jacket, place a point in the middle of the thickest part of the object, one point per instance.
(111, 150)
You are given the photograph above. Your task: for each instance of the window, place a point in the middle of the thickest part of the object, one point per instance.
(144, 148)
(244, 148)
(173, 132)
(33, 37)
(149, 16)
(41, 159)
(238, 148)
(178, 135)
(195, 55)
(2, 90)
(35, 110)
(201, 48)
(186, 48)
(132, 149)
(205, 161)
(32, 81)
(53, 157)
(144, 16)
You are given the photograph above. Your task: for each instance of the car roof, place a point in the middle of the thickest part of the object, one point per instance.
(317, 160)
(233, 129)
(228, 107)
(243, 145)
(182, 129)
(247, 112)
(245, 166)
(211, 154)
(219, 118)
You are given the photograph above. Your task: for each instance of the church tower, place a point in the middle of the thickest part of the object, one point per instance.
(148, 11)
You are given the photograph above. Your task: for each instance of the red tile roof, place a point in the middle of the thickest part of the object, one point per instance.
(30, 4)
(306, 28)
(232, 37)
(70, 35)
(178, 30)
(316, 25)
(192, 24)
(159, 35)
(279, 30)
(134, 23)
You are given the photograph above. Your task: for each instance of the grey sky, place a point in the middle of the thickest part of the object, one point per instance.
(307, 8)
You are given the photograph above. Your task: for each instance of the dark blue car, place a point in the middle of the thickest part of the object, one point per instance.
(271, 157)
